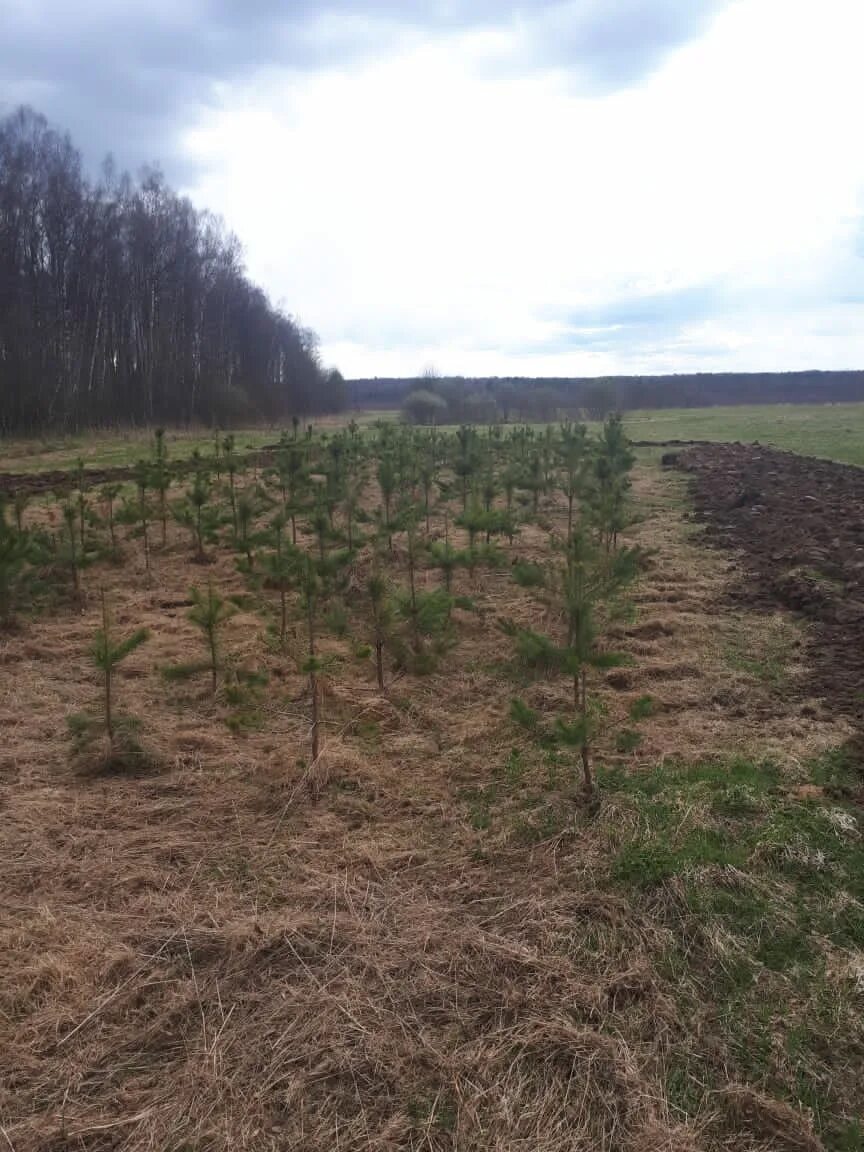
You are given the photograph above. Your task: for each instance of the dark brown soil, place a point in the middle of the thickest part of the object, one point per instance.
(797, 525)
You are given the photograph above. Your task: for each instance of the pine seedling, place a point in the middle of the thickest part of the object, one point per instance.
(334, 477)
(509, 481)
(292, 479)
(19, 502)
(231, 467)
(245, 525)
(74, 552)
(81, 503)
(352, 495)
(280, 568)
(611, 481)
(107, 654)
(465, 464)
(160, 478)
(489, 490)
(590, 582)
(137, 513)
(573, 457)
(208, 613)
(386, 475)
(109, 495)
(310, 590)
(217, 453)
(193, 511)
(447, 558)
(412, 556)
(382, 617)
(320, 525)
(534, 480)
(428, 473)
(15, 554)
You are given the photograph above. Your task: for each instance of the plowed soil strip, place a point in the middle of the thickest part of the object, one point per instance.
(798, 526)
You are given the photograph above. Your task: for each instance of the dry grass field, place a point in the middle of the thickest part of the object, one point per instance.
(426, 939)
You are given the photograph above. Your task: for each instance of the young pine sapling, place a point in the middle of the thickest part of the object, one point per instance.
(208, 613)
(382, 615)
(109, 495)
(160, 478)
(310, 589)
(15, 554)
(280, 568)
(75, 554)
(590, 583)
(107, 654)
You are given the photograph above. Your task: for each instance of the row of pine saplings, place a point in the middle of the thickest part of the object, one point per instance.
(356, 516)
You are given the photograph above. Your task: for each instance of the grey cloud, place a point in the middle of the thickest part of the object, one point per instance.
(127, 77)
(607, 44)
(636, 324)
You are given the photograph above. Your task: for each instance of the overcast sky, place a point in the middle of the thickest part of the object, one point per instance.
(568, 187)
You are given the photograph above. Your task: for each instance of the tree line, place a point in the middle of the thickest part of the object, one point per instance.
(542, 399)
(120, 302)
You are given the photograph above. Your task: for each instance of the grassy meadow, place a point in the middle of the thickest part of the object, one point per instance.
(833, 431)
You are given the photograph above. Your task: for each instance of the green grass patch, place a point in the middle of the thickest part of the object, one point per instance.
(833, 431)
(642, 708)
(761, 889)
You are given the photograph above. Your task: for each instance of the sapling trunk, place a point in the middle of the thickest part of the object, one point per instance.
(377, 590)
(146, 546)
(231, 471)
(283, 599)
(145, 523)
(82, 505)
(110, 499)
(313, 688)
(69, 517)
(20, 503)
(309, 588)
(585, 749)
(163, 512)
(109, 721)
(412, 585)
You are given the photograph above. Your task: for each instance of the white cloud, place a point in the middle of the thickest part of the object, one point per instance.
(438, 206)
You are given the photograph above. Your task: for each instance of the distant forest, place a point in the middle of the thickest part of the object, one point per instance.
(547, 398)
(120, 303)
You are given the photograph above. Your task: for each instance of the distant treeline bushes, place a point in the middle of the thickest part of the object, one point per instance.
(122, 303)
(455, 400)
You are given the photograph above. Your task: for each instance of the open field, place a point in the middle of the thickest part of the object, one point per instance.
(427, 937)
(831, 431)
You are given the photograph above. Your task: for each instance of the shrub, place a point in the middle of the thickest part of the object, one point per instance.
(424, 407)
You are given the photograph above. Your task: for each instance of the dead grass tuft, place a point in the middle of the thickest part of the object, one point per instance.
(770, 1119)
